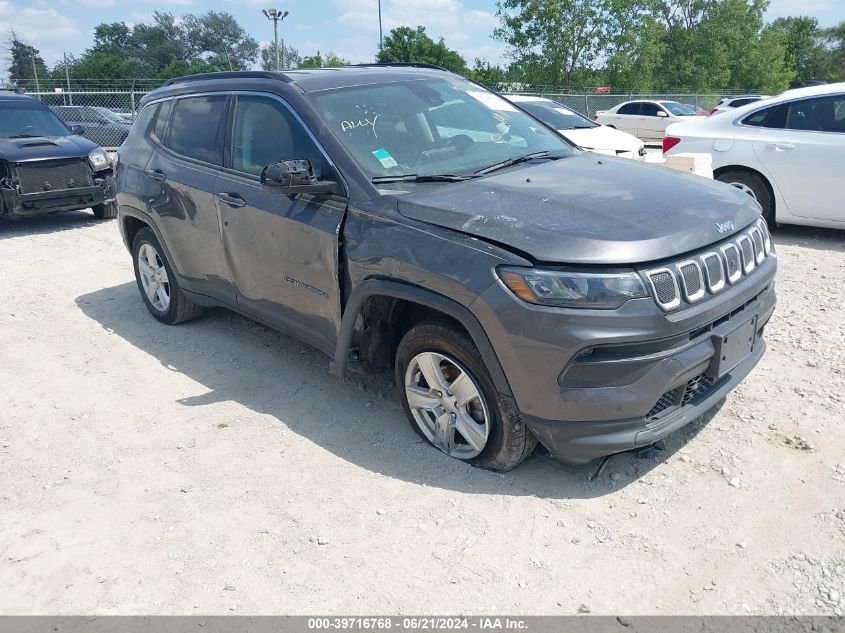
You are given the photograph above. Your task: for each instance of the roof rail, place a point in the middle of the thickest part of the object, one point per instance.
(411, 64)
(230, 74)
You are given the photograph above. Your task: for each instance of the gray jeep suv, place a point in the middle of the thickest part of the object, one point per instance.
(402, 218)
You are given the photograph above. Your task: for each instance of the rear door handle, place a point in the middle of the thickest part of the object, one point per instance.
(780, 147)
(232, 199)
(156, 174)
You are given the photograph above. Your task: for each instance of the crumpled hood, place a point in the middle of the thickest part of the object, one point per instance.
(587, 210)
(44, 148)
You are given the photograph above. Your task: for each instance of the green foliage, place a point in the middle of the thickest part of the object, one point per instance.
(405, 44)
(329, 60)
(493, 77)
(831, 65)
(292, 58)
(800, 38)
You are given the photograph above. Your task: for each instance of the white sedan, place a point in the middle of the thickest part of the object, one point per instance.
(787, 152)
(647, 120)
(579, 129)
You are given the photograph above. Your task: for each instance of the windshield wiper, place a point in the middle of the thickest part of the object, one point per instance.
(423, 178)
(516, 161)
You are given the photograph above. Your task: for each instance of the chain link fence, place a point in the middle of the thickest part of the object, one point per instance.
(107, 115)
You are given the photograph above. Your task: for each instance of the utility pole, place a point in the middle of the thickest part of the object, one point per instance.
(276, 16)
(67, 78)
(34, 70)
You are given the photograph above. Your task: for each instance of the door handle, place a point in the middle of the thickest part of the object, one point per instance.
(780, 147)
(156, 174)
(232, 199)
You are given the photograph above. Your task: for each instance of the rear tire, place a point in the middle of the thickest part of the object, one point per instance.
(754, 186)
(469, 420)
(107, 211)
(157, 281)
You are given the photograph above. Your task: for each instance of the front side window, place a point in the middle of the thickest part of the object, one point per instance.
(21, 119)
(266, 132)
(556, 115)
(821, 114)
(650, 109)
(196, 128)
(430, 127)
(630, 108)
(678, 109)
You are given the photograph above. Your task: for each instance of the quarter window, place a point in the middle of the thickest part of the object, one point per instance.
(773, 117)
(161, 119)
(266, 132)
(195, 130)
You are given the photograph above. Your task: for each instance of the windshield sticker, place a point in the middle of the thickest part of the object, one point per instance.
(384, 157)
(491, 101)
(348, 126)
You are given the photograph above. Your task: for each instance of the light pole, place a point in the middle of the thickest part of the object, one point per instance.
(380, 36)
(276, 16)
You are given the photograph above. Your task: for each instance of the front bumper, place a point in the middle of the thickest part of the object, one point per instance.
(590, 383)
(28, 204)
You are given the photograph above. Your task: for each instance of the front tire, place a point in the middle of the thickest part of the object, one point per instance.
(157, 282)
(754, 186)
(450, 399)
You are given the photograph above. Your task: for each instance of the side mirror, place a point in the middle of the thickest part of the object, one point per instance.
(294, 176)
(662, 114)
(77, 130)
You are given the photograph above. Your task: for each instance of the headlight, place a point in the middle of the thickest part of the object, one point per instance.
(572, 289)
(98, 159)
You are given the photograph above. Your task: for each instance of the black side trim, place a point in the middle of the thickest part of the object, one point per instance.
(398, 290)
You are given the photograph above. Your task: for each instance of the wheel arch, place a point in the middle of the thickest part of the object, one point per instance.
(380, 311)
(772, 193)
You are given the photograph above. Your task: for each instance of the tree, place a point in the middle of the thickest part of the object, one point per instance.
(268, 57)
(25, 62)
(832, 58)
(330, 60)
(217, 34)
(550, 40)
(405, 44)
(493, 77)
(801, 47)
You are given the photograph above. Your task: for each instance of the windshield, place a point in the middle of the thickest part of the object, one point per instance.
(111, 116)
(29, 118)
(430, 127)
(556, 115)
(678, 109)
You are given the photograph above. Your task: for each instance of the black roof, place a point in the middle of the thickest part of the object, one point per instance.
(11, 96)
(306, 80)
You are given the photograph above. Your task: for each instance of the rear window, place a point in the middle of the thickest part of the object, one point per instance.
(629, 108)
(195, 130)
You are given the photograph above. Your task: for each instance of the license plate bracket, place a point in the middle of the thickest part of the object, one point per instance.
(733, 347)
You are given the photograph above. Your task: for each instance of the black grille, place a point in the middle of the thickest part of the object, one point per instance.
(54, 176)
(691, 392)
(715, 275)
(666, 401)
(692, 279)
(664, 286)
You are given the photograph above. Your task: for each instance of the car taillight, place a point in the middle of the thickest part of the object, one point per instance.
(713, 111)
(595, 117)
(669, 142)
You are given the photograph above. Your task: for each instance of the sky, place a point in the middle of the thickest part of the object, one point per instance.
(348, 28)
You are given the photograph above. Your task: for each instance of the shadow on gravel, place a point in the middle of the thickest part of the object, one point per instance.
(810, 237)
(45, 224)
(270, 373)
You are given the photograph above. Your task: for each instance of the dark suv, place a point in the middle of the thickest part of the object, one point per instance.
(405, 218)
(46, 166)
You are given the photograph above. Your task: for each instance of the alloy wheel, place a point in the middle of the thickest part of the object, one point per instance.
(447, 405)
(154, 277)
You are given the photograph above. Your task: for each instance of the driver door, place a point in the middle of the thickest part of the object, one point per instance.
(282, 250)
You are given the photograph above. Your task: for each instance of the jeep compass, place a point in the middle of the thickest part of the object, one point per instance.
(403, 218)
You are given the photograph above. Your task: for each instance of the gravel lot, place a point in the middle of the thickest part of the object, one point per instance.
(216, 467)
